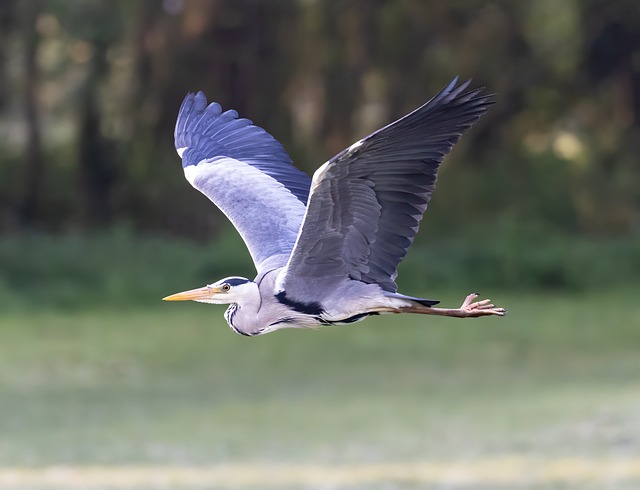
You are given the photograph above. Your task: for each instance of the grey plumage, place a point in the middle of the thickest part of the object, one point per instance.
(326, 250)
(205, 132)
(371, 197)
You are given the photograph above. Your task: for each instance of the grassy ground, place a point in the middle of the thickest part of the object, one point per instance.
(170, 386)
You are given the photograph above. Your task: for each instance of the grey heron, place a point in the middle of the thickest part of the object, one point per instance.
(326, 249)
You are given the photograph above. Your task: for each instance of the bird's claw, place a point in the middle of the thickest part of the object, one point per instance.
(484, 307)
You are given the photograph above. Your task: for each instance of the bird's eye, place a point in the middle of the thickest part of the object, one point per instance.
(225, 287)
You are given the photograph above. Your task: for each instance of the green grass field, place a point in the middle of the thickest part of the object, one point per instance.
(392, 402)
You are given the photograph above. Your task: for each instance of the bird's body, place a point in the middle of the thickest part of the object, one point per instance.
(258, 310)
(326, 249)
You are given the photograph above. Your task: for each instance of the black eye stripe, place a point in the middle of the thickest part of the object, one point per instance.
(236, 281)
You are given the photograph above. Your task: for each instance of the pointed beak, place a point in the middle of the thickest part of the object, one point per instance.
(193, 294)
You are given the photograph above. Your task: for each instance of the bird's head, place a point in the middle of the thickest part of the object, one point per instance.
(223, 292)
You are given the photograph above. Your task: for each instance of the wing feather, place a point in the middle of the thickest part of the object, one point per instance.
(244, 171)
(204, 132)
(367, 202)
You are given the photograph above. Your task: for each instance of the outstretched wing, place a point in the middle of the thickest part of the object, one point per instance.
(367, 202)
(244, 171)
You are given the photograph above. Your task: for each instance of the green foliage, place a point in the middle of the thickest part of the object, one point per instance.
(119, 268)
(525, 258)
(111, 268)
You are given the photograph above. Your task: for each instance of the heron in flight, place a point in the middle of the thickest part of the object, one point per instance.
(326, 249)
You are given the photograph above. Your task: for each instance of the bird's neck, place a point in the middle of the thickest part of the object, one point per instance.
(243, 315)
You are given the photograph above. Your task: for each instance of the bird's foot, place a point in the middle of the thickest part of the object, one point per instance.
(474, 309)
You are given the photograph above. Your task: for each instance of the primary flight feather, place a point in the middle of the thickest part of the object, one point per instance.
(326, 249)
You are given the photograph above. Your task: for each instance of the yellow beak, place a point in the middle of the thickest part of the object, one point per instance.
(193, 294)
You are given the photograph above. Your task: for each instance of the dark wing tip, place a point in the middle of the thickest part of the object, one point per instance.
(452, 96)
(464, 106)
(192, 106)
(199, 102)
(451, 91)
(457, 93)
(454, 93)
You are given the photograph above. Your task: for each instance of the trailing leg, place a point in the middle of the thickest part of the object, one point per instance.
(468, 309)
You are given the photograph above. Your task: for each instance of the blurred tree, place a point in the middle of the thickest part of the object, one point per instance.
(34, 158)
(7, 12)
(96, 154)
(102, 81)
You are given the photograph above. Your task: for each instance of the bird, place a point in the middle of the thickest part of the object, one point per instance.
(326, 249)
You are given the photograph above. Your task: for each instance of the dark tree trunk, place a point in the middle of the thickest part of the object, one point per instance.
(7, 13)
(96, 158)
(34, 160)
(97, 166)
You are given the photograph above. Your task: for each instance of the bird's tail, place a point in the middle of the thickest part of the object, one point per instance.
(417, 301)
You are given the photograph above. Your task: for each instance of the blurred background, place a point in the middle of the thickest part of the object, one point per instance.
(538, 207)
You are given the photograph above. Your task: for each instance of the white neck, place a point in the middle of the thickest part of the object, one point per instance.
(242, 314)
